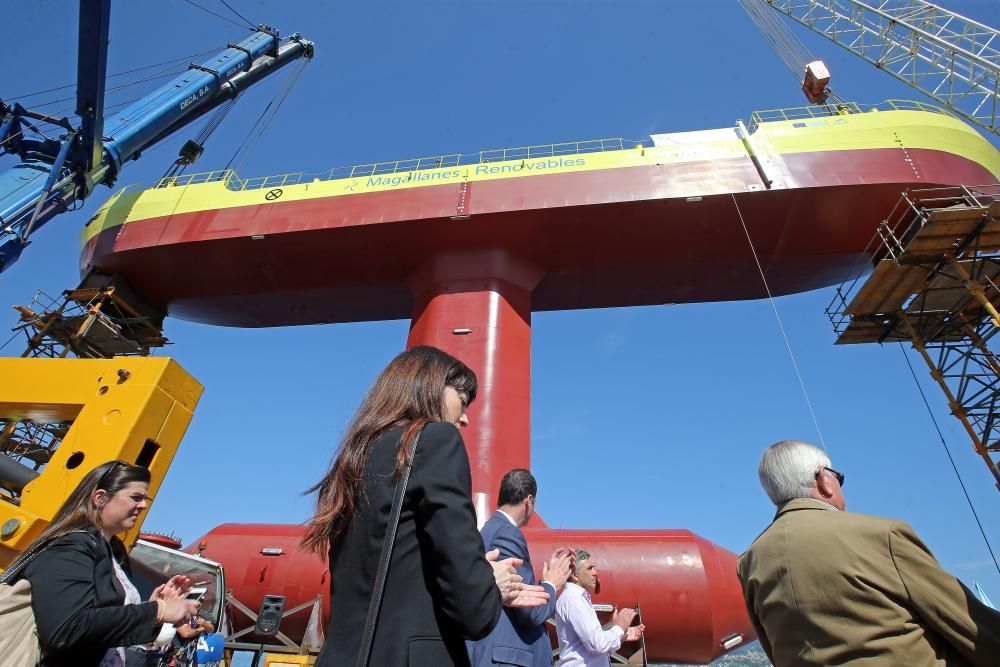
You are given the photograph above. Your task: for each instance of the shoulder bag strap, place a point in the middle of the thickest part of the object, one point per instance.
(17, 567)
(383, 563)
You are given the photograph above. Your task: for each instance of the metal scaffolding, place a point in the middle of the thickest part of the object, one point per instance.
(936, 267)
(89, 323)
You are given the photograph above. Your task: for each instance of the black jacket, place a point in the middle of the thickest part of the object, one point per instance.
(440, 589)
(78, 602)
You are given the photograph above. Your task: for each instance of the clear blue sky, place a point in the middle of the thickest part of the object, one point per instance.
(646, 417)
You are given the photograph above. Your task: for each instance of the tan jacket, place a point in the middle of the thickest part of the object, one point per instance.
(835, 588)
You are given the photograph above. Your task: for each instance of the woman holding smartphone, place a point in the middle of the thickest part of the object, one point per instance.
(85, 606)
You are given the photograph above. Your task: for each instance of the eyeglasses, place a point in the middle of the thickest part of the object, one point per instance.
(107, 473)
(838, 475)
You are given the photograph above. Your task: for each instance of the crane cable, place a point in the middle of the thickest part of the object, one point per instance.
(173, 61)
(218, 115)
(172, 67)
(789, 48)
(781, 326)
(249, 22)
(267, 115)
(944, 444)
(220, 16)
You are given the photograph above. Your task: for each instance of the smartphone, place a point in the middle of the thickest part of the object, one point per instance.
(196, 594)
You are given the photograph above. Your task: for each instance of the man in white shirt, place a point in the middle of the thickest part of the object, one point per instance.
(582, 642)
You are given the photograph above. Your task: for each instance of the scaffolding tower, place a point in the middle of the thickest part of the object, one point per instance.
(936, 266)
(89, 322)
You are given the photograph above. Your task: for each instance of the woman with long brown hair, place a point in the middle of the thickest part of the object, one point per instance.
(440, 589)
(85, 606)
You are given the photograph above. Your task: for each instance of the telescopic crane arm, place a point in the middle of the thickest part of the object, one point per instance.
(54, 174)
(952, 59)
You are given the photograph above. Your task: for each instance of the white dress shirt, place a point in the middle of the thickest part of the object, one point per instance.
(582, 642)
(512, 522)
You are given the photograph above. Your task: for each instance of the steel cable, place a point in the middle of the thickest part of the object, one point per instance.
(781, 326)
(209, 11)
(117, 74)
(249, 22)
(951, 459)
(243, 151)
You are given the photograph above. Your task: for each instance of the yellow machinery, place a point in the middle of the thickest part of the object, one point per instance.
(131, 408)
(280, 660)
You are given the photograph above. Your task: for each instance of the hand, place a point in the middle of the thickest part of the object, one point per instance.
(179, 610)
(513, 591)
(176, 587)
(559, 567)
(505, 574)
(527, 596)
(634, 633)
(623, 618)
(186, 632)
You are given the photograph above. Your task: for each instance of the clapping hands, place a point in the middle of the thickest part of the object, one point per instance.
(623, 619)
(559, 567)
(513, 591)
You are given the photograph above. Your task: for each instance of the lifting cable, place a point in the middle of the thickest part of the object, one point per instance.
(163, 74)
(214, 120)
(249, 22)
(781, 326)
(11, 339)
(265, 118)
(174, 61)
(173, 67)
(209, 11)
(789, 48)
(951, 460)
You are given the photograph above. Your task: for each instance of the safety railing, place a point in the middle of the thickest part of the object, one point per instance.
(894, 233)
(915, 207)
(841, 109)
(234, 182)
(225, 175)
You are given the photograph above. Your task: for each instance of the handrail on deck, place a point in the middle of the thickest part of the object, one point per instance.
(840, 109)
(234, 182)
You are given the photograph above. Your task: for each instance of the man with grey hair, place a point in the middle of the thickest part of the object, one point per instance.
(824, 586)
(582, 641)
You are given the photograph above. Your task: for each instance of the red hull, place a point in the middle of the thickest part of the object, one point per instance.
(690, 598)
(614, 237)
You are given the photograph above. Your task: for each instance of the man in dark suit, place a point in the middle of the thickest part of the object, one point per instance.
(824, 586)
(520, 637)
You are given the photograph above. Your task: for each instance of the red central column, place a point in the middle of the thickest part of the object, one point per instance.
(477, 307)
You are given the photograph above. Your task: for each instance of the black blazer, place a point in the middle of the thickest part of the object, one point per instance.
(440, 589)
(78, 602)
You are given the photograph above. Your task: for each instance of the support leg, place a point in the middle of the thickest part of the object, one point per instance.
(477, 307)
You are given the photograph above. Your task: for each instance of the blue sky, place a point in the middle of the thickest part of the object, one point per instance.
(641, 418)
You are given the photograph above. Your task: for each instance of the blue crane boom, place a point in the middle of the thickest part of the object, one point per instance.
(53, 174)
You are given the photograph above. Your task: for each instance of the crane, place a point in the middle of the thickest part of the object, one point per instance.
(54, 173)
(956, 61)
(953, 59)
